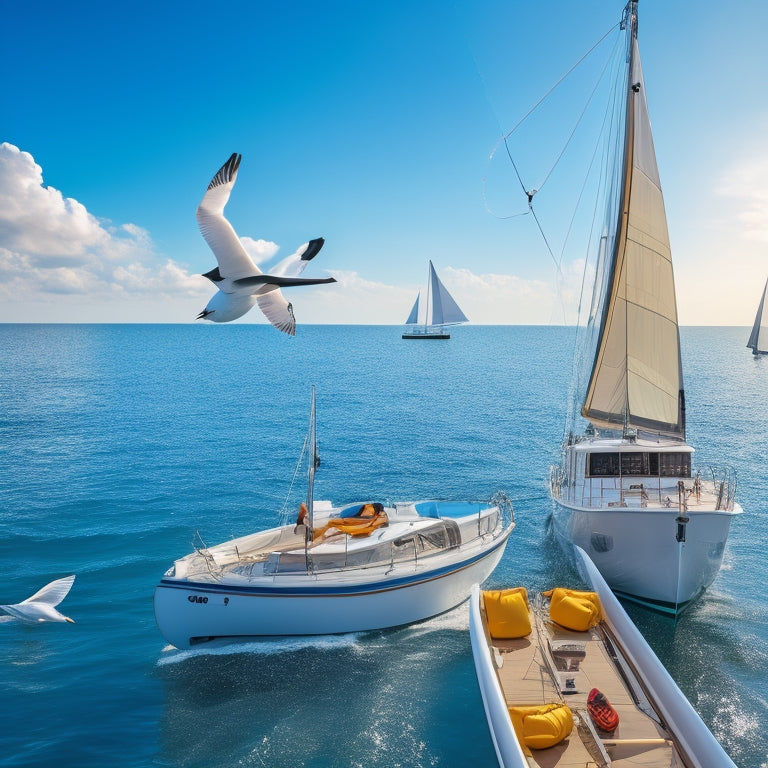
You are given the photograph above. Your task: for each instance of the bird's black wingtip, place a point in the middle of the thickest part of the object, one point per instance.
(227, 172)
(312, 249)
(214, 275)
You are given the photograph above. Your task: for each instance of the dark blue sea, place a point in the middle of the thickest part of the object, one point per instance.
(120, 443)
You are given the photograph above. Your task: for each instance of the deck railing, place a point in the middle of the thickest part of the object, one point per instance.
(714, 487)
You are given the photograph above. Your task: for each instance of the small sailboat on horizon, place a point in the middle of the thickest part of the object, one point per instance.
(440, 309)
(758, 339)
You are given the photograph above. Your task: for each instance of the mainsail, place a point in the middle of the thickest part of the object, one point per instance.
(445, 311)
(637, 379)
(758, 339)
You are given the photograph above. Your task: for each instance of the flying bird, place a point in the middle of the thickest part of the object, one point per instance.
(42, 605)
(240, 283)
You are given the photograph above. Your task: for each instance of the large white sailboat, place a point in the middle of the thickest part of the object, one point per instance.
(626, 491)
(358, 567)
(440, 309)
(758, 339)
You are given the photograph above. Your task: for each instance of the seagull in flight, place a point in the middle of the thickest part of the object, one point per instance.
(240, 283)
(42, 605)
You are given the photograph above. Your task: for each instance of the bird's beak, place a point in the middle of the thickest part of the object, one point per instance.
(71, 621)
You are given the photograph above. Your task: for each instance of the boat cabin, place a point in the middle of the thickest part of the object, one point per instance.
(629, 473)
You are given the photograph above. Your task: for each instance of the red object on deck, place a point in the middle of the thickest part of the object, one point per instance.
(604, 716)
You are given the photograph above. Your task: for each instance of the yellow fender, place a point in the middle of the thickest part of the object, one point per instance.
(507, 612)
(542, 727)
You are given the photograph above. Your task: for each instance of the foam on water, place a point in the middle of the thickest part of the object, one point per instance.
(261, 647)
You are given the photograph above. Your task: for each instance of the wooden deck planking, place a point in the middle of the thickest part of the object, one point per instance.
(526, 680)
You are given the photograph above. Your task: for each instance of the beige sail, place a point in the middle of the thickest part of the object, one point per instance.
(637, 378)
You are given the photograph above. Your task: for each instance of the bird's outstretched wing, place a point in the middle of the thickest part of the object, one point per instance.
(53, 593)
(293, 265)
(281, 282)
(232, 258)
(278, 311)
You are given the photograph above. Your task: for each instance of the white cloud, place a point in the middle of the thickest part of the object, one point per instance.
(39, 221)
(51, 247)
(61, 263)
(259, 250)
(745, 185)
(501, 299)
(485, 299)
(720, 254)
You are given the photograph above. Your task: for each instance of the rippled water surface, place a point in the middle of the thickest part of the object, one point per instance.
(119, 443)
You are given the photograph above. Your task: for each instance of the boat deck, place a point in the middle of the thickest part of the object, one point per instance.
(538, 669)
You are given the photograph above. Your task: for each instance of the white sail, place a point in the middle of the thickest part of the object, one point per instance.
(445, 311)
(758, 339)
(413, 318)
(636, 378)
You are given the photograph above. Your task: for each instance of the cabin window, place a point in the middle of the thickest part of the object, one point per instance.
(675, 464)
(603, 465)
(639, 464)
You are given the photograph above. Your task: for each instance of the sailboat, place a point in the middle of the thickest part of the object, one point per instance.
(626, 491)
(440, 310)
(758, 339)
(358, 567)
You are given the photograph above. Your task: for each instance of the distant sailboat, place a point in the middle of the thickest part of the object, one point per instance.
(440, 310)
(758, 339)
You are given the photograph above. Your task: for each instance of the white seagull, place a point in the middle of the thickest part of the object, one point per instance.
(42, 605)
(240, 282)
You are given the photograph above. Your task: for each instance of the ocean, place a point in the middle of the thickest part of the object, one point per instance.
(119, 444)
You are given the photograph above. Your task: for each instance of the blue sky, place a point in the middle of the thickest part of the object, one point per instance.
(370, 125)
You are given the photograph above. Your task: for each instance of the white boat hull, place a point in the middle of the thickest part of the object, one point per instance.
(188, 613)
(638, 554)
(505, 743)
(702, 748)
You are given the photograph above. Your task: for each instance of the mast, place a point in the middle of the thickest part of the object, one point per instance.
(636, 379)
(427, 307)
(313, 463)
(437, 308)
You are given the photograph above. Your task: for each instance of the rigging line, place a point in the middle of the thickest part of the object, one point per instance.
(284, 511)
(519, 178)
(581, 116)
(546, 95)
(506, 136)
(600, 139)
(546, 242)
(517, 172)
